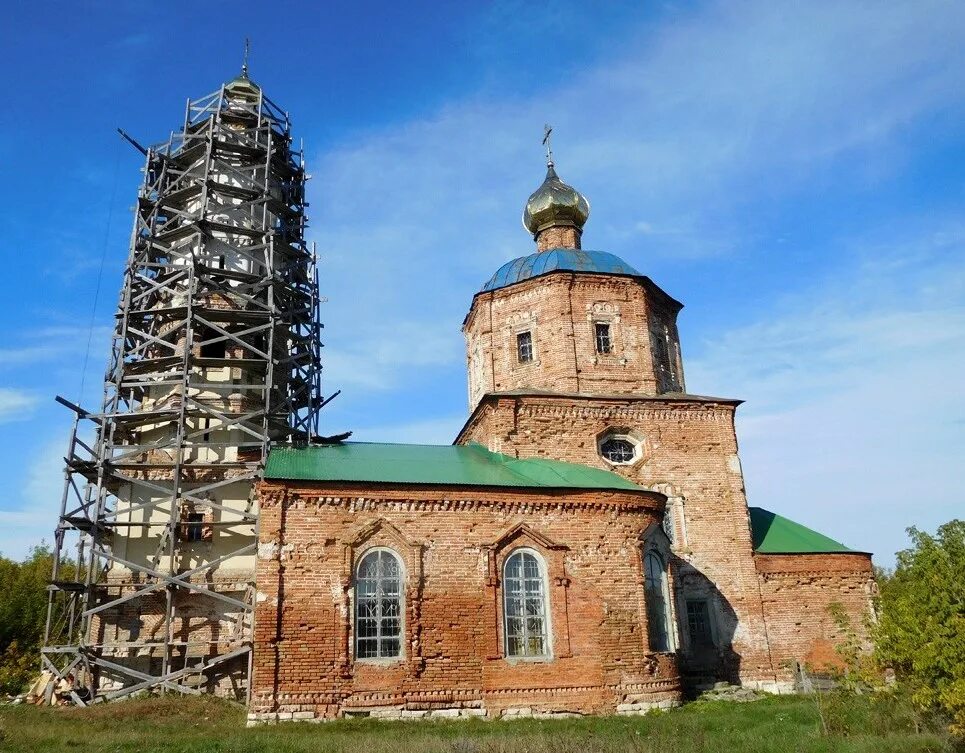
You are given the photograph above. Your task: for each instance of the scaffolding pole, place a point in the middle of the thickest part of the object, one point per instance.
(215, 355)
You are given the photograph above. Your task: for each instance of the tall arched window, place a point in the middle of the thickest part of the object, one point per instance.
(378, 606)
(524, 605)
(655, 593)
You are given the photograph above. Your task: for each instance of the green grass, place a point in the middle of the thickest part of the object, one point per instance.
(859, 724)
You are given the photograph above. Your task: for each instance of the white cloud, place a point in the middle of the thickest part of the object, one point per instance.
(35, 519)
(855, 420)
(15, 404)
(53, 343)
(675, 136)
(377, 356)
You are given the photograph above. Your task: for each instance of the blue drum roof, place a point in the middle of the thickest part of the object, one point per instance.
(567, 259)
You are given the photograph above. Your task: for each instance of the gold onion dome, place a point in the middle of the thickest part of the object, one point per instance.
(555, 204)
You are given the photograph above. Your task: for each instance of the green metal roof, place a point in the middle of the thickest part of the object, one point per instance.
(774, 534)
(450, 465)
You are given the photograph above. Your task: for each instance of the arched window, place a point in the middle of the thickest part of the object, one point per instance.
(524, 605)
(378, 606)
(655, 593)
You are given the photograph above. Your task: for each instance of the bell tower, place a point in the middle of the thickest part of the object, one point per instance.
(215, 356)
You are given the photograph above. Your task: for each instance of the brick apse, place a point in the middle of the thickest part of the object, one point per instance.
(585, 546)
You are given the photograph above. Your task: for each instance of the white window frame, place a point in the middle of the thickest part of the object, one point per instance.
(609, 336)
(663, 591)
(547, 654)
(532, 346)
(635, 441)
(378, 659)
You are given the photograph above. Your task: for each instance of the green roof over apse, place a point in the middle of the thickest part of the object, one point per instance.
(774, 534)
(444, 465)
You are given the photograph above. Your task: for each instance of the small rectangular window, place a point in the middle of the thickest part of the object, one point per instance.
(194, 526)
(524, 347)
(698, 623)
(208, 349)
(603, 342)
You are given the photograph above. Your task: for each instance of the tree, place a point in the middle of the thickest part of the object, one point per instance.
(23, 612)
(921, 626)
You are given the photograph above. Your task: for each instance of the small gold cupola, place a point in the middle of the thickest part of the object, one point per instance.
(555, 212)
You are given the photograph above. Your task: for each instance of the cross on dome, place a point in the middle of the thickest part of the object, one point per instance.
(555, 212)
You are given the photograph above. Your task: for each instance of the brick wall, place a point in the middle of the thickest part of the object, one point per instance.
(690, 454)
(560, 310)
(132, 635)
(767, 611)
(452, 544)
(798, 591)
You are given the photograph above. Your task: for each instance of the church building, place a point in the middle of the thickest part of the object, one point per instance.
(584, 546)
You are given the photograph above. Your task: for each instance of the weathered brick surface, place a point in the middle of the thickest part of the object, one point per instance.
(689, 452)
(560, 310)
(453, 543)
(767, 612)
(564, 236)
(132, 635)
(798, 590)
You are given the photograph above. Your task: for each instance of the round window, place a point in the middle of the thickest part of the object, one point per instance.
(618, 450)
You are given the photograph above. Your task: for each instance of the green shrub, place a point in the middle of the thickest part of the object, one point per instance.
(23, 613)
(921, 624)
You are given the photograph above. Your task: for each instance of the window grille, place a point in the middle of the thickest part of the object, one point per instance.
(655, 592)
(524, 347)
(378, 606)
(524, 604)
(604, 344)
(618, 450)
(698, 623)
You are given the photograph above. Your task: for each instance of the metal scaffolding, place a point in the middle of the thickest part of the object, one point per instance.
(215, 355)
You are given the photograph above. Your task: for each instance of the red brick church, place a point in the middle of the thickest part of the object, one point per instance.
(584, 545)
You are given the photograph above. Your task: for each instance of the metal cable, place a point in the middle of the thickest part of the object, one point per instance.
(100, 272)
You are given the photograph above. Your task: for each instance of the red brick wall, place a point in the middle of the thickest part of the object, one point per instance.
(798, 590)
(132, 635)
(560, 310)
(690, 454)
(453, 543)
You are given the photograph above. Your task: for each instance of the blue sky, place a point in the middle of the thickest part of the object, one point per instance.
(793, 172)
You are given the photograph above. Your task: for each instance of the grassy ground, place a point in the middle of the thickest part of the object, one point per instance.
(187, 725)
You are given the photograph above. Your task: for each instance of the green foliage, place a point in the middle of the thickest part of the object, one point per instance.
(921, 626)
(23, 612)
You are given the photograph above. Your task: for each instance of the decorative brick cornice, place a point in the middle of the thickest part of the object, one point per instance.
(818, 565)
(626, 409)
(815, 574)
(627, 413)
(626, 503)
